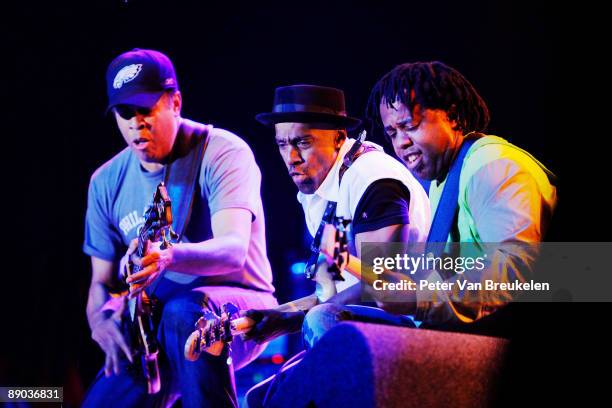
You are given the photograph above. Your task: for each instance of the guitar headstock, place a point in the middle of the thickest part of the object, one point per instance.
(212, 332)
(161, 200)
(158, 219)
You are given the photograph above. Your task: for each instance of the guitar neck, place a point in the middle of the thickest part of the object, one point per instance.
(244, 324)
(140, 252)
(304, 304)
(308, 302)
(354, 267)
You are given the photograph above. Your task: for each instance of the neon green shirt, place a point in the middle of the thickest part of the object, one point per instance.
(504, 196)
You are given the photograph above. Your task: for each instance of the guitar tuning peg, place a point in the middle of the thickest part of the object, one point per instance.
(193, 346)
(207, 340)
(198, 344)
(229, 360)
(362, 135)
(230, 309)
(201, 323)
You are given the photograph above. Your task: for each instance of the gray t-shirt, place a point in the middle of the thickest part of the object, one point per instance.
(120, 190)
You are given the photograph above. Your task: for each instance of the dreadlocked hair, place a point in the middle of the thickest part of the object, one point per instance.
(432, 85)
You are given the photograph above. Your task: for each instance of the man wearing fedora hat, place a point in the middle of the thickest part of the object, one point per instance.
(357, 180)
(220, 257)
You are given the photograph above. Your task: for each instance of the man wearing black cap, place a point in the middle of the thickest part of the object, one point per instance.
(362, 183)
(221, 256)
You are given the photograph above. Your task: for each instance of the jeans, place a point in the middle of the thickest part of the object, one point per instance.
(318, 321)
(207, 382)
(322, 318)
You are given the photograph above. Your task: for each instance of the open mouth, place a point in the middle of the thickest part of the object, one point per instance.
(140, 143)
(413, 159)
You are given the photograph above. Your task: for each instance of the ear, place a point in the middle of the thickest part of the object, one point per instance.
(177, 103)
(452, 117)
(340, 138)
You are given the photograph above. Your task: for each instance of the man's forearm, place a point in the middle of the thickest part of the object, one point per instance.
(98, 295)
(216, 256)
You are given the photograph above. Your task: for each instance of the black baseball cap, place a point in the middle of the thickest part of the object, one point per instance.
(139, 77)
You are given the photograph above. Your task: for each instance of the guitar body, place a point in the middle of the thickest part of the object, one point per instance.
(143, 332)
(138, 328)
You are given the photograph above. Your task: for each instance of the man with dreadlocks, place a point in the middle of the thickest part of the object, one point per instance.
(434, 117)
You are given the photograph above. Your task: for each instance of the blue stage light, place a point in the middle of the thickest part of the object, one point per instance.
(298, 268)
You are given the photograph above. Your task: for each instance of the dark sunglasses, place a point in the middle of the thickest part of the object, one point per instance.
(127, 112)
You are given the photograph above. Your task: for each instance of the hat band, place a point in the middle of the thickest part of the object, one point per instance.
(296, 107)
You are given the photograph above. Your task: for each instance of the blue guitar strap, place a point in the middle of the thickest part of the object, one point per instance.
(448, 205)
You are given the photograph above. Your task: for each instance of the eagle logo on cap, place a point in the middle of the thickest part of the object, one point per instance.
(126, 74)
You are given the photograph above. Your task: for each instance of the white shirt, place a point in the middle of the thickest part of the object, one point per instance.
(368, 168)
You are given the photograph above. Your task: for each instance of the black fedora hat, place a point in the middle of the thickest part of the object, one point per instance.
(309, 104)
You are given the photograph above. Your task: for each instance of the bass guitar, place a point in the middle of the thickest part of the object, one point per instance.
(214, 332)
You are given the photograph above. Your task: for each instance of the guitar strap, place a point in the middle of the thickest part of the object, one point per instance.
(353, 154)
(181, 177)
(446, 212)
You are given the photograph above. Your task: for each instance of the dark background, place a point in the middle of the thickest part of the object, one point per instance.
(533, 63)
